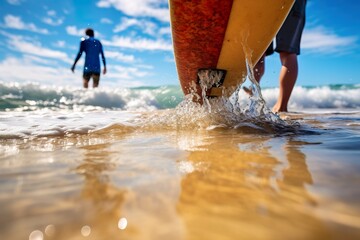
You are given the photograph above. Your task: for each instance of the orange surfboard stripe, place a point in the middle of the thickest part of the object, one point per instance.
(198, 30)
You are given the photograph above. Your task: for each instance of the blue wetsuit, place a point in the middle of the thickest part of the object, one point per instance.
(92, 48)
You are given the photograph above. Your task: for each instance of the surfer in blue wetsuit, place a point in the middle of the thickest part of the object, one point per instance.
(92, 48)
(288, 46)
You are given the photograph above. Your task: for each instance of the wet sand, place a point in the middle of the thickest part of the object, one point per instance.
(123, 182)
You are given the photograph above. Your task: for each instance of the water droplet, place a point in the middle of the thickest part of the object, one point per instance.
(85, 231)
(50, 230)
(36, 235)
(122, 224)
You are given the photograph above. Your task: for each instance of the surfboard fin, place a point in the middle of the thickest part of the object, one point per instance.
(211, 78)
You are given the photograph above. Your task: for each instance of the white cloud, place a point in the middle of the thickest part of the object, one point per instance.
(26, 46)
(53, 22)
(59, 44)
(11, 21)
(145, 66)
(139, 44)
(321, 40)
(31, 69)
(139, 8)
(165, 31)
(126, 73)
(126, 23)
(28, 70)
(53, 19)
(51, 13)
(40, 60)
(106, 21)
(14, 2)
(74, 31)
(119, 56)
(145, 26)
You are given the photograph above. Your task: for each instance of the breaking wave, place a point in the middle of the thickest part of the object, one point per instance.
(31, 97)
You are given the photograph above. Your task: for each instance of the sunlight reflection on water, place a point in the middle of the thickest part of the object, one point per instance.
(122, 224)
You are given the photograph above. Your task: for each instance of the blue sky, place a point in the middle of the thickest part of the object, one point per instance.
(40, 39)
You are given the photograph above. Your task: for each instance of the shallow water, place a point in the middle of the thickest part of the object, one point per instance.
(179, 181)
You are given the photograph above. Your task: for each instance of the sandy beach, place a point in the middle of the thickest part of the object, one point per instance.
(144, 179)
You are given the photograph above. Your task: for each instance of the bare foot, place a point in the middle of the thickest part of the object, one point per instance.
(277, 109)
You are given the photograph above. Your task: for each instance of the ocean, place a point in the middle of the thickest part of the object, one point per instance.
(30, 97)
(147, 163)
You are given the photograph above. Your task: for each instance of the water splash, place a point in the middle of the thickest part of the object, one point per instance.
(230, 112)
(220, 112)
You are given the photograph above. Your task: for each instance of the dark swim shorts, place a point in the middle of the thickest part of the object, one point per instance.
(289, 36)
(88, 75)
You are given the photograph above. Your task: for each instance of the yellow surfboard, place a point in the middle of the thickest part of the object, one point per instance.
(214, 40)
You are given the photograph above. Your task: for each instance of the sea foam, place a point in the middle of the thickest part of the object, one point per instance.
(32, 97)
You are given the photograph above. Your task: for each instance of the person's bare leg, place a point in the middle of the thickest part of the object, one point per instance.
(287, 79)
(96, 79)
(85, 83)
